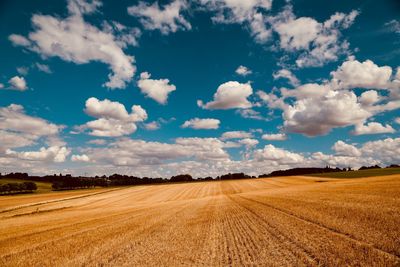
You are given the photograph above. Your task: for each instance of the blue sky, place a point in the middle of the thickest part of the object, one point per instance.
(204, 87)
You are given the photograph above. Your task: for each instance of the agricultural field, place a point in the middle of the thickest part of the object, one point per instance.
(282, 221)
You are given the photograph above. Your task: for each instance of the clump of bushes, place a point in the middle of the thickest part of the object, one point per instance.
(17, 188)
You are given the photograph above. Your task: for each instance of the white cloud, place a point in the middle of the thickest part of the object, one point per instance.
(287, 74)
(317, 43)
(105, 108)
(249, 113)
(317, 116)
(248, 142)
(277, 156)
(372, 128)
(369, 98)
(113, 120)
(274, 137)
(97, 142)
(197, 123)
(43, 68)
(343, 149)
(230, 95)
(248, 13)
(14, 119)
(365, 75)
(315, 109)
(74, 40)
(308, 90)
(152, 126)
(155, 89)
(50, 154)
(243, 71)
(166, 19)
(202, 157)
(139, 153)
(18, 83)
(80, 158)
(78, 7)
(236, 135)
(19, 40)
(386, 151)
(397, 120)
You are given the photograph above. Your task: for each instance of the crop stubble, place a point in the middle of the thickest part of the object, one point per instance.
(285, 221)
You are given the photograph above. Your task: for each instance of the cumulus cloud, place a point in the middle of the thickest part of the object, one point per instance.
(78, 7)
(317, 116)
(386, 151)
(372, 128)
(343, 149)
(166, 19)
(80, 158)
(140, 153)
(230, 95)
(18, 83)
(365, 75)
(155, 89)
(243, 71)
(248, 142)
(74, 40)
(50, 154)
(197, 123)
(277, 156)
(112, 118)
(152, 126)
(248, 13)
(206, 156)
(274, 137)
(315, 109)
(287, 74)
(236, 135)
(18, 129)
(317, 42)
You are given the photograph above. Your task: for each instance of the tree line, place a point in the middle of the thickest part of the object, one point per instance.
(66, 182)
(17, 188)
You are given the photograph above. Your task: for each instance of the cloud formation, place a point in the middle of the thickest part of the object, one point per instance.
(198, 124)
(167, 19)
(113, 119)
(158, 90)
(74, 40)
(243, 70)
(230, 95)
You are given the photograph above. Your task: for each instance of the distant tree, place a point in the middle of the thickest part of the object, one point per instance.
(181, 178)
(30, 186)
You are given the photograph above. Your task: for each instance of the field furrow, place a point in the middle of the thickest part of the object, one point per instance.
(287, 221)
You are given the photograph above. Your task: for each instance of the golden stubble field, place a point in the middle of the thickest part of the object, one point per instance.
(287, 221)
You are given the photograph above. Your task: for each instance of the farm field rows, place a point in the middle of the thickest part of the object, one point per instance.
(282, 221)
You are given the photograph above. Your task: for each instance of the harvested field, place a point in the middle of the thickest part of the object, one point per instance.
(283, 221)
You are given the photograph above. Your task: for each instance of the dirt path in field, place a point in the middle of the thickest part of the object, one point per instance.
(288, 221)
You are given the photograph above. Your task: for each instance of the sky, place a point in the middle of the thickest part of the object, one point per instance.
(207, 87)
